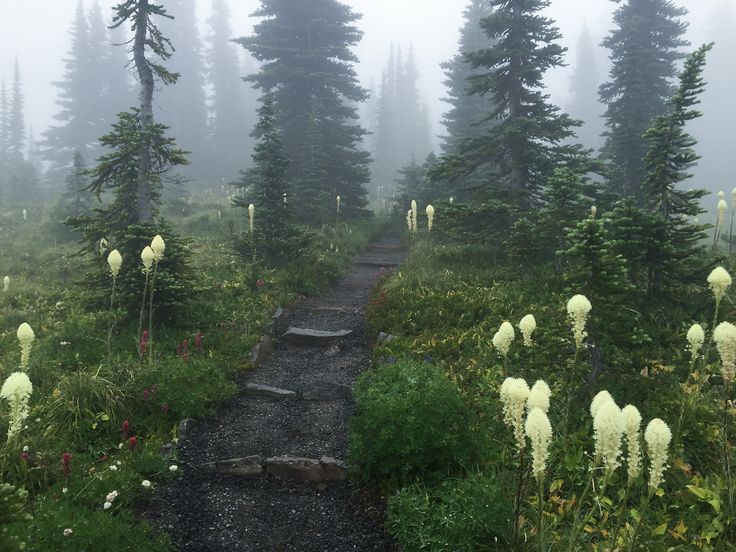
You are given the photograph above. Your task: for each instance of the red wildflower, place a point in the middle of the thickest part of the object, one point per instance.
(66, 463)
(25, 456)
(198, 342)
(126, 429)
(145, 394)
(165, 408)
(132, 442)
(144, 343)
(260, 283)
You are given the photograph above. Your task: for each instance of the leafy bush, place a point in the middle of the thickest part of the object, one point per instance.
(462, 515)
(411, 422)
(12, 501)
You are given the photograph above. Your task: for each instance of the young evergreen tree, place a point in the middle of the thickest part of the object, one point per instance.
(645, 46)
(670, 157)
(141, 157)
(307, 62)
(584, 86)
(76, 200)
(275, 238)
(230, 113)
(528, 140)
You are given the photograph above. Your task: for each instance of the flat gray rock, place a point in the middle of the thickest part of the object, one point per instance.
(322, 390)
(306, 469)
(314, 338)
(262, 351)
(269, 392)
(250, 466)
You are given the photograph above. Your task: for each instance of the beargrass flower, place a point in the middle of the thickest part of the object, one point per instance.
(696, 338)
(719, 281)
(147, 257)
(539, 431)
(539, 396)
(452, 200)
(408, 220)
(103, 246)
(146, 483)
(527, 325)
(25, 337)
(158, 245)
(725, 338)
(338, 204)
(115, 260)
(251, 215)
(632, 433)
(17, 391)
(722, 207)
(578, 308)
(503, 338)
(593, 211)
(601, 398)
(514, 393)
(430, 217)
(414, 216)
(658, 437)
(721, 195)
(608, 430)
(6, 284)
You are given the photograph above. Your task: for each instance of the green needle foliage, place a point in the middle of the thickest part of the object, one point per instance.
(276, 238)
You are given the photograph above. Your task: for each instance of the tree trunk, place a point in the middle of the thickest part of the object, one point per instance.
(144, 207)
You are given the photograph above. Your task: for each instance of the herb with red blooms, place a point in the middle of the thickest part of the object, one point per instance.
(66, 463)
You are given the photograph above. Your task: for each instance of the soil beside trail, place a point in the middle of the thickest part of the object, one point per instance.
(206, 511)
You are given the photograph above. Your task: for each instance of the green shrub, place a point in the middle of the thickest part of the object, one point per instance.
(461, 515)
(12, 502)
(411, 421)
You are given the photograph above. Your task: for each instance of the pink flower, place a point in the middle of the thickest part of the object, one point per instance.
(66, 463)
(25, 456)
(126, 429)
(260, 283)
(165, 408)
(132, 442)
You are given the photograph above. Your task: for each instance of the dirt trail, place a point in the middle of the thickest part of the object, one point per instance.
(205, 510)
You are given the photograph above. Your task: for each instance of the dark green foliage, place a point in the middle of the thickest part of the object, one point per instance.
(411, 422)
(462, 515)
(76, 200)
(645, 47)
(306, 61)
(415, 184)
(527, 142)
(276, 238)
(663, 248)
(12, 504)
(466, 117)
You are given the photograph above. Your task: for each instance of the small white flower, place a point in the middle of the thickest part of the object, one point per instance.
(64, 490)
(119, 463)
(25, 448)
(67, 532)
(527, 325)
(115, 260)
(146, 483)
(158, 246)
(107, 505)
(503, 339)
(696, 338)
(173, 468)
(111, 496)
(113, 468)
(719, 280)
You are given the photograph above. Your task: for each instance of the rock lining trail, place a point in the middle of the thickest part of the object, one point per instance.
(238, 490)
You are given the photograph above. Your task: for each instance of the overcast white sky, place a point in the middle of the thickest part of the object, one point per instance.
(37, 32)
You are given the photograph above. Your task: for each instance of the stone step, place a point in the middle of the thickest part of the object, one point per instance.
(328, 308)
(268, 392)
(314, 338)
(322, 390)
(292, 468)
(377, 263)
(385, 249)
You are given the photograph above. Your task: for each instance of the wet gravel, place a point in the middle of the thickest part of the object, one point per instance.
(211, 512)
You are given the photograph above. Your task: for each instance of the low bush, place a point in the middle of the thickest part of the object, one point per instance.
(411, 422)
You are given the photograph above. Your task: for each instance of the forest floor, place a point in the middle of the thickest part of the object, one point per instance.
(207, 508)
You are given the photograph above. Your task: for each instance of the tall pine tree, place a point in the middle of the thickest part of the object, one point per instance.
(645, 46)
(230, 113)
(521, 150)
(307, 62)
(584, 86)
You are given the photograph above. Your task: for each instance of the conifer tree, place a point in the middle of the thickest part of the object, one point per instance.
(522, 149)
(183, 108)
(16, 120)
(584, 86)
(307, 61)
(4, 130)
(266, 186)
(230, 112)
(76, 200)
(465, 118)
(645, 46)
(140, 158)
(670, 156)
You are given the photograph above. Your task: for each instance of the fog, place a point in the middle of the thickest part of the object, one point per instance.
(37, 32)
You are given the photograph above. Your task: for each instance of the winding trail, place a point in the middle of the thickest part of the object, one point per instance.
(210, 509)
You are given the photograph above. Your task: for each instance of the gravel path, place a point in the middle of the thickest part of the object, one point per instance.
(213, 512)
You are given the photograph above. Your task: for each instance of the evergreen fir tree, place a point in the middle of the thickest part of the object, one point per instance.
(466, 117)
(16, 120)
(140, 158)
(76, 200)
(645, 46)
(183, 107)
(584, 86)
(4, 131)
(230, 112)
(307, 61)
(680, 256)
(526, 143)
(276, 239)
